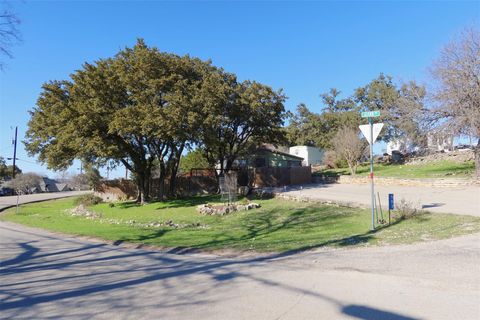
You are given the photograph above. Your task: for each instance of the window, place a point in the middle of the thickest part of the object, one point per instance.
(260, 162)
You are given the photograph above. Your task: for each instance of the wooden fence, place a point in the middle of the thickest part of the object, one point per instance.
(207, 184)
(278, 177)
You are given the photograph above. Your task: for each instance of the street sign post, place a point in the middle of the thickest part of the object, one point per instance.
(370, 114)
(371, 132)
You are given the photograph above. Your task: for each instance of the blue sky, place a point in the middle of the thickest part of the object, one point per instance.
(306, 48)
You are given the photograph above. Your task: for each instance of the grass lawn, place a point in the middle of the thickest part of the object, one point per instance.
(441, 169)
(279, 225)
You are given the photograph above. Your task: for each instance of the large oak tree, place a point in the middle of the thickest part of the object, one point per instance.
(143, 108)
(133, 108)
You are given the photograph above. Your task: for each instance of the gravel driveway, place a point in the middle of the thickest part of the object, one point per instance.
(461, 200)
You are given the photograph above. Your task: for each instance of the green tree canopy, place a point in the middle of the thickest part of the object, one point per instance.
(402, 110)
(193, 159)
(6, 171)
(143, 107)
(132, 108)
(240, 116)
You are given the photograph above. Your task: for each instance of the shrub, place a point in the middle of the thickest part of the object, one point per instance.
(330, 159)
(406, 209)
(244, 201)
(88, 200)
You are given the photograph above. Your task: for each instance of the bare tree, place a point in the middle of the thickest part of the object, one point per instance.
(457, 86)
(25, 183)
(80, 182)
(9, 33)
(348, 145)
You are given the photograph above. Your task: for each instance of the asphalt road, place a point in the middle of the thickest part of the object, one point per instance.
(44, 275)
(460, 200)
(11, 201)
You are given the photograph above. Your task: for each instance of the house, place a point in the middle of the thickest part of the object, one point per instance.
(50, 185)
(403, 145)
(269, 156)
(311, 155)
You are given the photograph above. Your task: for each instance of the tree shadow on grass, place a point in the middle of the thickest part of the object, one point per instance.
(256, 227)
(173, 203)
(297, 228)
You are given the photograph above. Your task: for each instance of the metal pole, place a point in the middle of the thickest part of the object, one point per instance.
(370, 121)
(14, 153)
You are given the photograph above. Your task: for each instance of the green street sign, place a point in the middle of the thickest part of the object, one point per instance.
(370, 114)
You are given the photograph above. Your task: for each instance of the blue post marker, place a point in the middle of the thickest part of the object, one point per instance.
(391, 205)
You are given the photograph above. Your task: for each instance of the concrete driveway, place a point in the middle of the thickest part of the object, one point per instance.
(44, 275)
(461, 200)
(11, 201)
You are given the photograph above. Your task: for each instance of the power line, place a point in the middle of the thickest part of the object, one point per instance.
(26, 161)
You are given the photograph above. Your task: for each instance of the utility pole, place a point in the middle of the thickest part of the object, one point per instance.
(14, 152)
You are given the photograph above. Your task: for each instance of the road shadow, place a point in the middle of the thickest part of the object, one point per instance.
(432, 205)
(58, 272)
(369, 313)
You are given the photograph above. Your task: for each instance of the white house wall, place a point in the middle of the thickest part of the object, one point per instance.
(311, 155)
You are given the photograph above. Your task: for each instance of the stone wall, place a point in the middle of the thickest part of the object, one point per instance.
(438, 182)
(454, 156)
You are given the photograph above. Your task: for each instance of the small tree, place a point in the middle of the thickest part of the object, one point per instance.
(92, 177)
(24, 183)
(193, 159)
(80, 182)
(348, 145)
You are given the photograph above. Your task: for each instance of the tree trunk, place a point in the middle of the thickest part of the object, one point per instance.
(477, 160)
(229, 165)
(141, 187)
(146, 184)
(161, 182)
(175, 162)
(352, 167)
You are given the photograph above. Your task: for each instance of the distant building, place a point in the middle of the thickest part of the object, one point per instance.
(50, 185)
(310, 155)
(402, 145)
